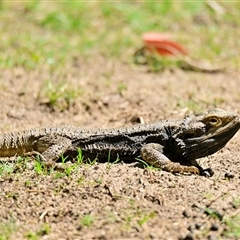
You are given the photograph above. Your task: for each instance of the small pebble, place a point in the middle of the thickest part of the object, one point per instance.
(214, 227)
(198, 225)
(229, 175)
(189, 236)
(191, 228)
(211, 237)
(195, 205)
(186, 213)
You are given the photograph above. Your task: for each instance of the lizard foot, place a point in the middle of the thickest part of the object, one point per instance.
(177, 168)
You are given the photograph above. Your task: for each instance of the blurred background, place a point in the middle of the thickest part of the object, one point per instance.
(78, 57)
(53, 33)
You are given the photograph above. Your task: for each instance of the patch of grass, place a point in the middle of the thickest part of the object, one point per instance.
(39, 166)
(66, 168)
(231, 223)
(213, 213)
(145, 218)
(121, 88)
(64, 159)
(69, 19)
(13, 195)
(80, 156)
(232, 227)
(98, 181)
(91, 161)
(51, 35)
(42, 168)
(87, 220)
(81, 180)
(44, 230)
(109, 156)
(59, 95)
(236, 202)
(208, 195)
(146, 165)
(69, 170)
(58, 175)
(31, 236)
(7, 229)
(134, 215)
(16, 166)
(28, 183)
(9, 167)
(6, 168)
(22, 164)
(191, 104)
(110, 162)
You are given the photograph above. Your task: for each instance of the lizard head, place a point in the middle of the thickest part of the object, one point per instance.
(204, 134)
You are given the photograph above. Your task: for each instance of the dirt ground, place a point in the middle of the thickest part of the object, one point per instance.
(122, 200)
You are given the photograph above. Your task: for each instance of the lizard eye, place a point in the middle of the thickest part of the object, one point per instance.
(214, 121)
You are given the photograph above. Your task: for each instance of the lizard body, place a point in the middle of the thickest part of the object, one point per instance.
(173, 145)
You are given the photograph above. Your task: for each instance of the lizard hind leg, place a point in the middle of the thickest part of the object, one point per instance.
(52, 147)
(153, 153)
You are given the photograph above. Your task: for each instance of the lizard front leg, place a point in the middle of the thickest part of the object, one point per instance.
(51, 147)
(152, 153)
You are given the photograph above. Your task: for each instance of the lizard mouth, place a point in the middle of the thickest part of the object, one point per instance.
(226, 131)
(211, 141)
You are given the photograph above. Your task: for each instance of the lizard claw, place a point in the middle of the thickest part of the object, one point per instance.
(208, 172)
(177, 168)
(191, 169)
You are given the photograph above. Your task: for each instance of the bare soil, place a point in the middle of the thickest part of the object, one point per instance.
(118, 201)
